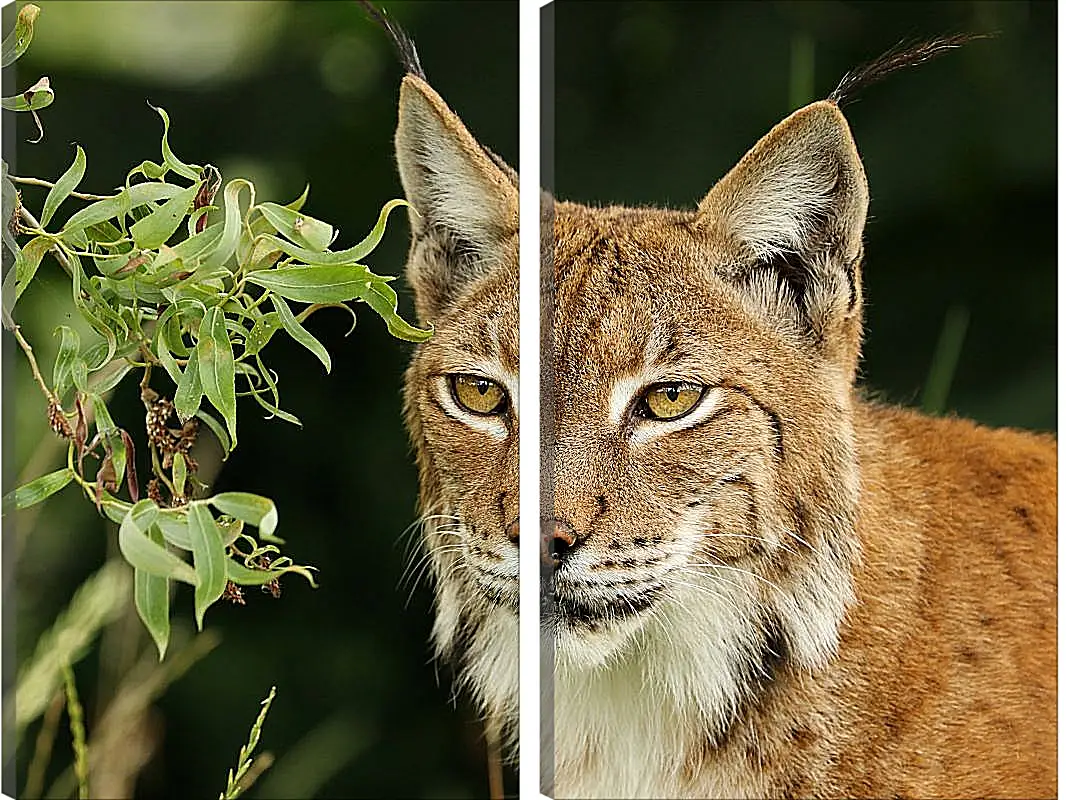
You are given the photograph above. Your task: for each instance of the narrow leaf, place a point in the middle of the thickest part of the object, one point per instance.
(170, 160)
(218, 430)
(174, 524)
(252, 508)
(382, 299)
(273, 408)
(299, 332)
(62, 372)
(209, 557)
(300, 228)
(151, 596)
(152, 231)
(214, 356)
(26, 267)
(190, 391)
(180, 472)
(231, 225)
(62, 189)
(38, 96)
(144, 553)
(166, 358)
(16, 42)
(37, 490)
(365, 247)
(298, 203)
(315, 284)
(261, 333)
(245, 576)
(189, 251)
(119, 205)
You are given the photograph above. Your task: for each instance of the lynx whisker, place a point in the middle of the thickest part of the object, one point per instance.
(741, 570)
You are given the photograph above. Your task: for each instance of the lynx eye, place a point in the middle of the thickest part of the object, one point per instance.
(478, 395)
(667, 401)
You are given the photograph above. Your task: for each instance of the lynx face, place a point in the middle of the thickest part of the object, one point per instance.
(703, 464)
(698, 363)
(461, 393)
(681, 407)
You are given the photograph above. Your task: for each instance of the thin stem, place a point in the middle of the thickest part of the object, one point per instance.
(77, 732)
(42, 751)
(88, 486)
(159, 472)
(261, 764)
(60, 254)
(17, 331)
(48, 184)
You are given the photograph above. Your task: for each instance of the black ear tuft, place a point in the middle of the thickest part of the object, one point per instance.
(904, 54)
(405, 46)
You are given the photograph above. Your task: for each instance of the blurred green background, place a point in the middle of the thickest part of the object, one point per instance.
(656, 101)
(282, 93)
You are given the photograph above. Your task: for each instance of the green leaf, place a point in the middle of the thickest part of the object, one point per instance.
(382, 299)
(104, 423)
(62, 189)
(316, 284)
(273, 408)
(151, 596)
(38, 96)
(209, 557)
(299, 333)
(261, 333)
(108, 383)
(174, 524)
(96, 356)
(119, 205)
(347, 257)
(166, 358)
(214, 357)
(37, 490)
(62, 372)
(171, 325)
(365, 247)
(300, 228)
(114, 509)
(217, 429)
(148, 169)
(246, 576)
(298, 203)
(253, 509)
(152, 231)
(180, 472)
(146, 554)
(16, 42)
(26, 268)
(171, 161)
(189, 251)
(190, 391)
(231, 225)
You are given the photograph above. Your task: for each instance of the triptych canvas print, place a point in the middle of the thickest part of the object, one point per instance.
(491, 399)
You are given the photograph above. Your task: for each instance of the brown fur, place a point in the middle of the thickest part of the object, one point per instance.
(791, 592)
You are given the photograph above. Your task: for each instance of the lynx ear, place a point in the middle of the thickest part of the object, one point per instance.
(791, 214)
(465, 199)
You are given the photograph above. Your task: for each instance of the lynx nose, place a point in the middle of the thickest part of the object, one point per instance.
(557, 541)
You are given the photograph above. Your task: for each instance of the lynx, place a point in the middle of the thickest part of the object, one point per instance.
(760, 583)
